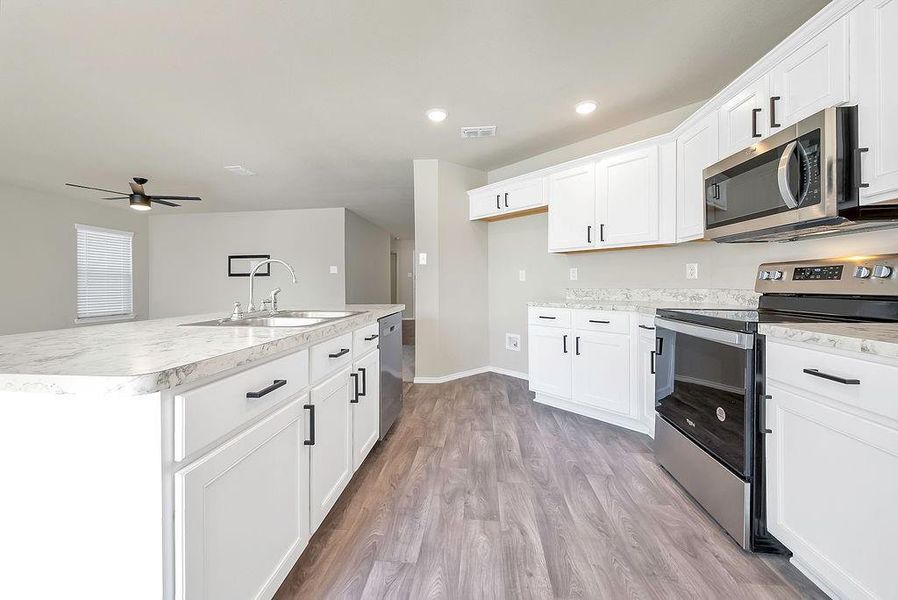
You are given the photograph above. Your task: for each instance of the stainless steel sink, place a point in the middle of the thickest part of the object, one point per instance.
(283, 318)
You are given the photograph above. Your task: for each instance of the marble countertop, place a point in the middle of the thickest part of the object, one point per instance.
(648, 300)
(877, 339)
(144, 357)
(646, 308)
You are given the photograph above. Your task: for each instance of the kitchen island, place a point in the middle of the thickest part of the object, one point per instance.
(153, 460)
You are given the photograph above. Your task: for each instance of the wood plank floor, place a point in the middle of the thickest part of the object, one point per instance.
(479, 492)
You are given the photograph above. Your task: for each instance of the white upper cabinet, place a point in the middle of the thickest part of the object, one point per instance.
(813, 77)
(627, 198)
(877, 89)
(743, 118)
(696, 150)
(515, 197)
(572, 209)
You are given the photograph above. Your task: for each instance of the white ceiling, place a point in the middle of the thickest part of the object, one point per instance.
(325, 99)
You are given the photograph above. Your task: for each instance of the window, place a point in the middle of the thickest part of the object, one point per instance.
(104, 273)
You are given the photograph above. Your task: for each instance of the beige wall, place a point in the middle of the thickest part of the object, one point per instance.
(405, 274)
(367, 261)
(451, 289)
(37, 242)
(189, 259)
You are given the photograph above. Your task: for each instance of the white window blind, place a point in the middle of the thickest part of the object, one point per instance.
(104, 272)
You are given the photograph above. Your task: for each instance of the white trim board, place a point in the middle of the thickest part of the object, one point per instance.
(469, 373)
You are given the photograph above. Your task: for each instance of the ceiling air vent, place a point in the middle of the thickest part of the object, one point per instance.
(478, 132)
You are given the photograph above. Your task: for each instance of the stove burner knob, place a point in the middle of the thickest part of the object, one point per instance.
(776, 275)
(764, 275)
(882, 271)
(861, 272)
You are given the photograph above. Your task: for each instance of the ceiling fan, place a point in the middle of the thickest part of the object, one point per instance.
(138, 198)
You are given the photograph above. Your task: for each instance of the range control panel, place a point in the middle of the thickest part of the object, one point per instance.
(875, 275)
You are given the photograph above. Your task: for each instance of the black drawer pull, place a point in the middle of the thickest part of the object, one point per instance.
(342, 352)
(599, 321)
(311, 409)
(364, 372)
(355, 388)
(548, 318)
(653, 362)
(647, 327)
(371, 337)
(829, 377)
(275, 385)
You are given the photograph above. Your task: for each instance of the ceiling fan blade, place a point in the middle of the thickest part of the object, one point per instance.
(137, 188)
(117, 198)
(163, 202)
(178, 198)
(96, 189)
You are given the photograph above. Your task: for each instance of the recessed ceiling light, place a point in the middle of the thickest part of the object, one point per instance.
(437, 115)
(585, 107)
(239, 170)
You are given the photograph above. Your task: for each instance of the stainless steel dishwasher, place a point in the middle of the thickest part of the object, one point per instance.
(390, 371)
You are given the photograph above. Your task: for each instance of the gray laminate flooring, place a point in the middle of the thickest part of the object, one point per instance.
(479, 492)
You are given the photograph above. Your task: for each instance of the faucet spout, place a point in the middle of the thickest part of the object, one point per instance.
(252, 276)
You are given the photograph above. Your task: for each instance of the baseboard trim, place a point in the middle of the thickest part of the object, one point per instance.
(469, 373)
(631, 423)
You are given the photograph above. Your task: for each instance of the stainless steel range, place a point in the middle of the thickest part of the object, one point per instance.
(709, 389)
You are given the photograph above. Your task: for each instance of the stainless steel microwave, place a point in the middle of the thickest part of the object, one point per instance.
(801, 181)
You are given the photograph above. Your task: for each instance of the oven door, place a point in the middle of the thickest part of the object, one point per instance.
(704, 386)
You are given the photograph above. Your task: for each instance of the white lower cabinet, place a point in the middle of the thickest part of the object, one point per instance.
(550, 360)
(832, 469)
(365, 407)
(601, 371)
(645, 373)
(242, 512)
(330, 454)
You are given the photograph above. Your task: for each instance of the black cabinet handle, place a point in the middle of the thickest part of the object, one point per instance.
(267, 390)
(647, 327)
(754, 122)
(498, 205)
(598, 321)
(564, 343)
(601, 232)
(773, 122)
(506, 199)
(339, 354)
(371, 337)
(829, 377)
(355, 388)
(860, 179)
(364, 372)
(311, 409)
(653, 362)
(547, 318)
(577, 345)
(589, 234)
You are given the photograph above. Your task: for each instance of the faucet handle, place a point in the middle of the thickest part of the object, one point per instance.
(273, 298)
(237, 312)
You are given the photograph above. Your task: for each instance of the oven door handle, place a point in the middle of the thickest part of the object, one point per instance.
(735, 339)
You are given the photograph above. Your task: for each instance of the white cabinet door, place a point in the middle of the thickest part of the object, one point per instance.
(484, 204)
(832, 490)
(549, 360)
(522, 195)
(696, 150)
(366, 407)
(813, 77)
(628, 198)
(572, 209)
(601, 371)
(241, 512)
(645, 377)
(331, 453)
(877, 85)
(744, 118)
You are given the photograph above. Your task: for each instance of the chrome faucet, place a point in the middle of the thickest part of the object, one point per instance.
(252, 275)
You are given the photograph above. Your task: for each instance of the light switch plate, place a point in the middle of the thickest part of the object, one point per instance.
(691, 270)
(333, 269)
(574, 274)
(522, 275)
(513, 342)
(422, 258)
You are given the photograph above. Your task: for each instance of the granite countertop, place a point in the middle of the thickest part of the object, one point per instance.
(648, 300)
(876, 339)
(144, 357)
(646, 308)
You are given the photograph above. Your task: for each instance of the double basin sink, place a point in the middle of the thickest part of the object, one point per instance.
(282, 318)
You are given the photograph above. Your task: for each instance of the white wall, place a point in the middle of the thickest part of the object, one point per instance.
(451, 289)
(367, 261)
(37, 242)
(405, 275)
(189, 259)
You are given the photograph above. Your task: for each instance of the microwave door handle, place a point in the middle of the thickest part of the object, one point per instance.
(782, 175)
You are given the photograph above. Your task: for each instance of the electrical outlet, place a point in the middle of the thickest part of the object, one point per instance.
(422, 258)
(409, 275)
(691, 270)
(573, 274)
(522, 275)
(513, 342)
(334, 269)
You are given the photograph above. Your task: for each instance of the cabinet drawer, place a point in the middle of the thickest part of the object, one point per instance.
(330, 356)
(645, 322)
(602, 320)
(875, 393)
(365, 339)
(206, 413)
(549, 317)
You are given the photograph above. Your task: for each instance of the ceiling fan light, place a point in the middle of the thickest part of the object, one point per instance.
(140, 202)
